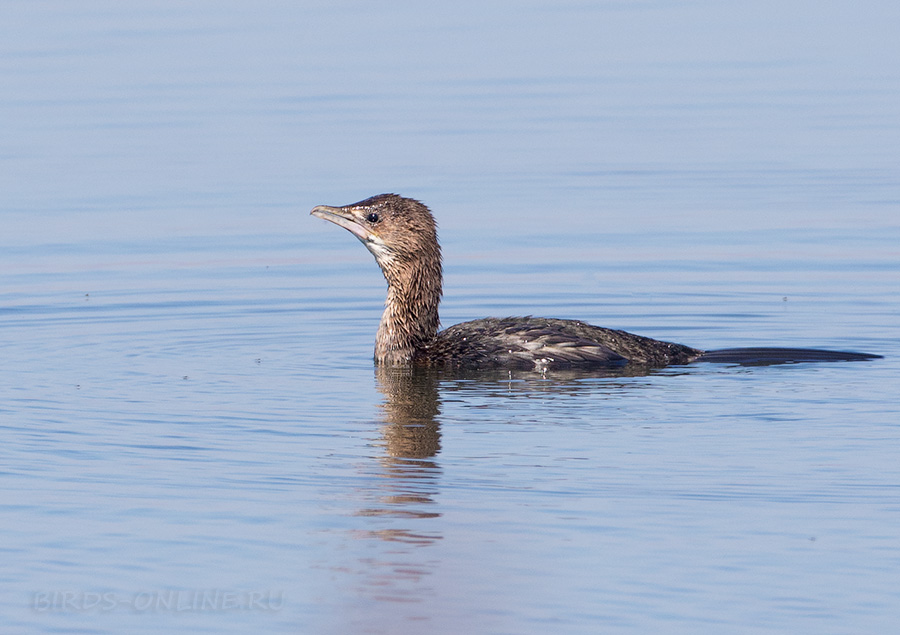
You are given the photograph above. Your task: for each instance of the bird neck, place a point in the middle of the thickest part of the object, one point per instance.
(410, 319)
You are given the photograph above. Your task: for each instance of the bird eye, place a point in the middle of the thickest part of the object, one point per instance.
(372, 217)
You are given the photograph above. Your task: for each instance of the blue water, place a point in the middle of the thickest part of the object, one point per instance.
(195, 437)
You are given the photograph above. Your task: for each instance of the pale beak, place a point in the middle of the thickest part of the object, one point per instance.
(344, 218)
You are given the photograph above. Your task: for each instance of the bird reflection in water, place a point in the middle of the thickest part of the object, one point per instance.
(411, 435)
(411, 439)
(406, 481)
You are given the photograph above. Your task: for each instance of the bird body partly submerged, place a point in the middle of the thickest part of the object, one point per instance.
(541, 343)
(402, 235)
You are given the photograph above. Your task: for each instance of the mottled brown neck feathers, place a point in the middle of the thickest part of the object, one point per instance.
(410, 319)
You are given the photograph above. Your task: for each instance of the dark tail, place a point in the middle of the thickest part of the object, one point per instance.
(767, 356)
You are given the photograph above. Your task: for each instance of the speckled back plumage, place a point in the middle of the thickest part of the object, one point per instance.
(535, 343)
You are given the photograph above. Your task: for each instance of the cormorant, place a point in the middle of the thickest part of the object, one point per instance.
(402, 235)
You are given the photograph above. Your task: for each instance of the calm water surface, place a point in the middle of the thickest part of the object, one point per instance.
(195, 437)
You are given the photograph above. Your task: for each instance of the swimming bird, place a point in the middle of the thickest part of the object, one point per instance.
(402, 235)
